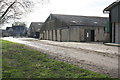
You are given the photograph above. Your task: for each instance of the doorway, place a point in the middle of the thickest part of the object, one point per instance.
(87, 35)
(92, 35)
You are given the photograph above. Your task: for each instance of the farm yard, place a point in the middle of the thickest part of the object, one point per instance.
(80, 43)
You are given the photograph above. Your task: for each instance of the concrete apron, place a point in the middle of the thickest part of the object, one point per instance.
(112, 44)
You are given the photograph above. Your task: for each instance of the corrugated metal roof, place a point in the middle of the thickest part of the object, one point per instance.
(82, 20)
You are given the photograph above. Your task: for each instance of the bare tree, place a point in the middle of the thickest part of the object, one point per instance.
(14, 9)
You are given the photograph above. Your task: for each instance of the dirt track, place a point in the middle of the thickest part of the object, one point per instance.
(95, 57)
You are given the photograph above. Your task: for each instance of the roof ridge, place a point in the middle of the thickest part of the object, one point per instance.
(79, 15)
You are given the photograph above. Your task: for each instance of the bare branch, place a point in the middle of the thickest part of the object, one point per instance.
(14, 9)
(7, 10)
(22, 5)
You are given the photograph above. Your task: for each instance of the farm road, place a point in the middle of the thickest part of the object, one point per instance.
(96, 57)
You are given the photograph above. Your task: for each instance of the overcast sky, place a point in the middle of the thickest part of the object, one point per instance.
(70, 7)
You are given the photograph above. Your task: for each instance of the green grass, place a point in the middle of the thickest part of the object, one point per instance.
(20, 61)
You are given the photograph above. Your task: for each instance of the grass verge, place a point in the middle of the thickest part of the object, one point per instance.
(20, 61)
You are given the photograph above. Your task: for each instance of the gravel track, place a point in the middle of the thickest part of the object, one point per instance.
(92, 56)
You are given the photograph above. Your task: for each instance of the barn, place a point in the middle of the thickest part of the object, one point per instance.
(34, 29)
(114, 15)
(74, 28)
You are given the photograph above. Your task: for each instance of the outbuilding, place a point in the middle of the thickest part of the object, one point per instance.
(4, 33)
(10, 31)
(74, 28)
(34, 29)
(114, 16)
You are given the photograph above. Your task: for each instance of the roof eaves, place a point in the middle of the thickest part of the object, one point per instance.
(111, 6)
